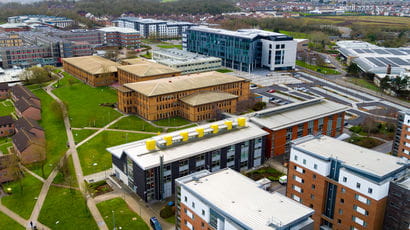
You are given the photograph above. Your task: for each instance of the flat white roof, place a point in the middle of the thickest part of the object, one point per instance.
(296, 113)
(147, 159)
(242, 199)
(244, 33)
(353, 156)
(118, 29)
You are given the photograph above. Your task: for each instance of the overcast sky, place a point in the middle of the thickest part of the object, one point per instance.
(21, 1)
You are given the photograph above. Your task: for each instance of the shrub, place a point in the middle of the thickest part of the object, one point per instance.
(166, 212)
(259, 106)
(356, 129)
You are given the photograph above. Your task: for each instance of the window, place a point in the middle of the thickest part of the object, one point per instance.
(343, 190)
(339, 221)
(202, 224)
(203, 212)
(312, 196)
(193, 204)
(344, 179)
(340, 211)
(296, 157)
(186, 199)
(314, 176)
(315, 166)
(357, 185)
(342, 201)
(313, 186)
(370, 190)
(304, 161)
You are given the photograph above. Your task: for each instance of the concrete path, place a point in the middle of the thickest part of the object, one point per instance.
(384, 148)
(98, 176)
(76, 160)
(23, 222)
(94, 134)
(33, 174)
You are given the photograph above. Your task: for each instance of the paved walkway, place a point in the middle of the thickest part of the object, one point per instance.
(76, 161)
(98, 176)
(94, 134)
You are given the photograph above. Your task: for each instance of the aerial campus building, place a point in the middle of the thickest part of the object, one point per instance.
(186, 61)
(195, 97)
(245, 50)
(152, 28)
(295, 120)
(149, 167)
(227, 199)
(92, 70)
(60, 22)
(401, 143)
(346, 185)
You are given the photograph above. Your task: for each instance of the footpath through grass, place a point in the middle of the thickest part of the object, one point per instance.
(125, 218)
(56, 136)
(6, 223)
(85, 102)
(93, 154)
(6, 107)
(66, 209)
(135, 123)
(316, 68)
(22, 199)
(80, 135)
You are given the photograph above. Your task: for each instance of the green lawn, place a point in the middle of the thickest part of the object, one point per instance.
(70, 177)
(366, 142)
(66, 209)
(135, 123)
(175, 129)
(364, 83)
(170, 46)
(270, 173)
(124, 217)
(170, 219)
(224, 70)
(172, 122)
(9, 224)
(6, 107)
(22, 201)
(5, 143)
(295, 34)
(80, 135)
(54, 128)
(316, 68)
(84, 101)
(93, 156)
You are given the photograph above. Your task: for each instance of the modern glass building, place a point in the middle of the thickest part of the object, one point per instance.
(245, 49)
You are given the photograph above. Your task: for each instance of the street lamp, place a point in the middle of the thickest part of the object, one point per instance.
(113, 219)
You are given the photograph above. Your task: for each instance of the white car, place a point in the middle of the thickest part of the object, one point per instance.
(283, 179)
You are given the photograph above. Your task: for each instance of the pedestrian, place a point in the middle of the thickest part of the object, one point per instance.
(31, 224)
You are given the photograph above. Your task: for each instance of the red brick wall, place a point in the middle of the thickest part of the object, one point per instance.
(197, 222)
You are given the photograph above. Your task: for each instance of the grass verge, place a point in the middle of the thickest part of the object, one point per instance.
(93, 154)
(80, 135)
(9, 224)
(316, 68)
(23, 198)
(172, 122)
(135, 123)
(124, 217)
(56, 136)
(6, 107)
(66, 209)
(85, 102)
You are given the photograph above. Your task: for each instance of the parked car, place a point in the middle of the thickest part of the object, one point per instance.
(155, 223)
(271, 91)
(283, 179)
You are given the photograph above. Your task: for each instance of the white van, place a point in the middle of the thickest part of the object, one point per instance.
(283, 179)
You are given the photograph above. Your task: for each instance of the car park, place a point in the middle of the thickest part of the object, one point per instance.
(271, 91)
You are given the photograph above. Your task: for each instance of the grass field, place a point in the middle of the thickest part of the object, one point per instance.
(66, 209)
(364, 83)
(70, 178)
(175, 129)
(6, 107)
(23, 199)
(172, 122)
(84, 101)
(5, 143)
(93, 155)
(295, 34)
(362, 20)
(125, 218)
(80, 135)
(170, 46)
(224, 70)
(53, 125)
(316, 68)
(9, 224)
(135, 123)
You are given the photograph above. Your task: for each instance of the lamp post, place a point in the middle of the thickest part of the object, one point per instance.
(113, 219)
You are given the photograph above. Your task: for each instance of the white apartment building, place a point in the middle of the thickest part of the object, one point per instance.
(227, 200)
